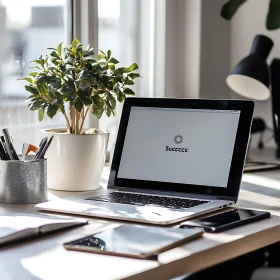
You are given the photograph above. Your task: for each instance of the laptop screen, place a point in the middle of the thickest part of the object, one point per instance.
(178, 145)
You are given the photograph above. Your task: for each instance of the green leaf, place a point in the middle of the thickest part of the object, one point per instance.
(29, 80)
(111, 66)
(129, 82)
(112, 101)
(84, 83)
(66, 91)
(108, 109)
(43, 89)
(230, 8)
(39, 61)
(273, 17)
(98, 101)
(29, 97)
(41, 114)
(59, 49)
(109, 53)
(98, 112)
(54, 82)
(101, 56)
(113, 60)
(32, 90)
(97, 106)
(78, 104)
(128, 91)
(121, 70)
(35, 67)
(86, 100)
(132, 67)
(36, 105)
(75, 42)
(52, 110)
(89, 52)
(79, 52)
(120, 96)
(33, 74)
(108, 112)
(134, 76)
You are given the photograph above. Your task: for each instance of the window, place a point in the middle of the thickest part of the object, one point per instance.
(27, 28)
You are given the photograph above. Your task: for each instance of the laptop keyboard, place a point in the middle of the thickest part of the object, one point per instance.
(142, 200)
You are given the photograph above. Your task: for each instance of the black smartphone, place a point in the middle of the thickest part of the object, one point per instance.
(226, 220)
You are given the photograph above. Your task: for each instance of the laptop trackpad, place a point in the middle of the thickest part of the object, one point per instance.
(137, 212)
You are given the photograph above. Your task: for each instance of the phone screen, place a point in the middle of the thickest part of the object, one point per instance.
(235, 216)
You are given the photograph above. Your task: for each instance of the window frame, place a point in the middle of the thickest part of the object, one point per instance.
(85, 28)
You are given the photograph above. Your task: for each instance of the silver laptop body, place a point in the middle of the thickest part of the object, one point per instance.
(170, 150)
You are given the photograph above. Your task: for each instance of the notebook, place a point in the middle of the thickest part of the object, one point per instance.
(134, 241)
(21, 226)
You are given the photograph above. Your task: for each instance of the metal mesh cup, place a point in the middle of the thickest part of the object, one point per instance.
(23, 182)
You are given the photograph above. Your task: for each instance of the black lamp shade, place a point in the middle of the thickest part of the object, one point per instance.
(251, 77)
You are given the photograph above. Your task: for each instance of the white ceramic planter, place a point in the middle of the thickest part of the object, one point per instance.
(75, 162)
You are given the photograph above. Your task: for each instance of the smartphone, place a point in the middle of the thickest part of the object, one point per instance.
(226, 220)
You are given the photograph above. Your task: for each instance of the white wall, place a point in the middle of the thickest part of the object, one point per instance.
(182, 48)
(202, 48)
(249, 21)
(214, 52)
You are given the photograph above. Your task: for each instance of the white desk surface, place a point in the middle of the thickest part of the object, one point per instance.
(45, 258)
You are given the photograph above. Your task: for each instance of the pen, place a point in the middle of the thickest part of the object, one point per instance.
(46, 148)
(4, 147)
(2, 152)
(10, 148)
(43, 143)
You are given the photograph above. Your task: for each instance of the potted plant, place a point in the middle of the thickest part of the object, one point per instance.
(70, 81)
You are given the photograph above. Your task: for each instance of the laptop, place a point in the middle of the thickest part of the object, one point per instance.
(174, 159)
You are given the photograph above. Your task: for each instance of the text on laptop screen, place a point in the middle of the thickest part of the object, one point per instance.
(186, 146)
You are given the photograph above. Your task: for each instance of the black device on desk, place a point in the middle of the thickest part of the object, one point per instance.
(226, 220)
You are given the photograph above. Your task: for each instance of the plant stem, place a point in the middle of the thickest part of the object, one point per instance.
(78, 114)
(73, 118)
(83, 118)
(67, 123)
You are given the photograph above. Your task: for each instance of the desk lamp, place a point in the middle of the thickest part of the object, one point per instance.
(251, 77)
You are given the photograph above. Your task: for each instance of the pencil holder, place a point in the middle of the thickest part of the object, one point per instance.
(23, 182)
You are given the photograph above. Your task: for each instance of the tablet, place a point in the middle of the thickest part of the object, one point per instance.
(143, 242)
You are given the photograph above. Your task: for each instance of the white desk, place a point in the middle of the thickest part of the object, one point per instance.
(45, 258)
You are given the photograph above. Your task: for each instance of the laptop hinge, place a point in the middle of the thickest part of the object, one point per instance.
(192, 195)
(227, 198)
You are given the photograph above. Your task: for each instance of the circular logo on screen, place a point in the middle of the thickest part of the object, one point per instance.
(178, 139)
